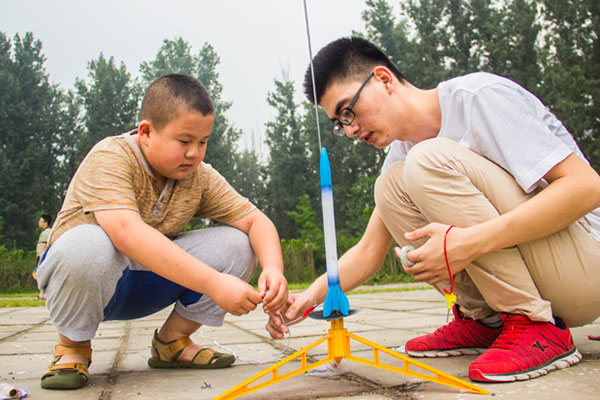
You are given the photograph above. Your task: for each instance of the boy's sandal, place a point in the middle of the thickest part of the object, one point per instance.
(70, 375)
(205, 358)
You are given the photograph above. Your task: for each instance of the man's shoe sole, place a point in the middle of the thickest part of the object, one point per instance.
(467, 351)
(562, 362)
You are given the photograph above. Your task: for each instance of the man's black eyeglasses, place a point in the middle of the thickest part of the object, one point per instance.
(347, 115)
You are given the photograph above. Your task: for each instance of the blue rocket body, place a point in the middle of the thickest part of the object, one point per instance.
(335, 300)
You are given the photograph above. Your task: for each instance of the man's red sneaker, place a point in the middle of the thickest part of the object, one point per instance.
(526, 349)
(461, 336)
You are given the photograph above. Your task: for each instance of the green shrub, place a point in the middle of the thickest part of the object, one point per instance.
(299, 264)
(298, 261)
(15, 271)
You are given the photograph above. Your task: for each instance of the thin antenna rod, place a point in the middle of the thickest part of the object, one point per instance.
(312, 73)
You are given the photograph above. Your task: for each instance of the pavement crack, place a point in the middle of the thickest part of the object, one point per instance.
(286, 350)
(24, 331)
(114, 370)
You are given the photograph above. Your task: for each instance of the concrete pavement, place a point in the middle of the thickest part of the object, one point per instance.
(121, 349)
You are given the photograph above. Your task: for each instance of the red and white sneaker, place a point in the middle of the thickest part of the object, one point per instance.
(526, 349)
(463, 336)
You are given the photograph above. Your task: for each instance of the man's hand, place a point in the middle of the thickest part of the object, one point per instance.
(296, 305)
(430, 263)
(234, 295)
(272, 288)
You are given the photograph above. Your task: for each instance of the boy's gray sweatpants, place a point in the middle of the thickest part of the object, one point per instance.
(81, 270)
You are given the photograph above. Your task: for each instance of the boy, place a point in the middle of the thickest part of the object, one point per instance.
(117, 248)
(481, 174)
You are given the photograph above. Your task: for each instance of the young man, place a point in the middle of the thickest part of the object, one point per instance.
(118, 250)
(480, 172)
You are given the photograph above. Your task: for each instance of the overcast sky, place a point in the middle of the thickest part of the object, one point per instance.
(255, 39)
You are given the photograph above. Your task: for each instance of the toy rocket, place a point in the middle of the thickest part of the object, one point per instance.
(335, 300)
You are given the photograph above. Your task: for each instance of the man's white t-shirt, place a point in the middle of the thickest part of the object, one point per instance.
(501, 121)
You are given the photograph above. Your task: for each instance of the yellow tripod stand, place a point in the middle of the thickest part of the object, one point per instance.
(338, 347)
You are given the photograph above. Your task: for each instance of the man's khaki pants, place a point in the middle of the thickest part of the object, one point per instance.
(442, 181)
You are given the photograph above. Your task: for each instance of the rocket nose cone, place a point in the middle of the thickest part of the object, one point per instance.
(324, 169)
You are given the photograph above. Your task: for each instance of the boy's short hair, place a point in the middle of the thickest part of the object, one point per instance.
(343, 60)
(167, 96)
(47, 218)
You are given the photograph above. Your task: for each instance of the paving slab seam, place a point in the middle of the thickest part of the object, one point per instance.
(419, 311)
(6, 311)
(286, 350)
(590, 356)
(106, 393)
(24, 331)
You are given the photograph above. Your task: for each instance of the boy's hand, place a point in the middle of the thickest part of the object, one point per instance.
(234, 295)
(272, 288)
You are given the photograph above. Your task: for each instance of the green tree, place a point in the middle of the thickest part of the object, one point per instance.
(287, 169)
(434, 40)
(571, 79)
(249, 178)
(68, 138)
(110, 102)
(310, 230)
(30, 118)
(175, 56)
(511, 43)
(414, 41)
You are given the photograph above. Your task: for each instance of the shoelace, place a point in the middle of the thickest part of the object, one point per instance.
(450, 328)
(511, 334)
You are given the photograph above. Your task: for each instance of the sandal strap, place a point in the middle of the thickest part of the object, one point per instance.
(206, 356)
(71, 367)
(169, 351)
(61, 350)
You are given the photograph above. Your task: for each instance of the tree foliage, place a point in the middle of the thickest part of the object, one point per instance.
(175, 56)
(287, 169)
(550, 47)
(110, 103)
(30, 116)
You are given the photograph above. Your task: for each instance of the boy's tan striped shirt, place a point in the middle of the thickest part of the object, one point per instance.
(115, 175)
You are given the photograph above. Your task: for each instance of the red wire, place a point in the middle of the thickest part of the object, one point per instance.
(448, 264)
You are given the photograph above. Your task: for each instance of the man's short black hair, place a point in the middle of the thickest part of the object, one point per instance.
(343, 60)
(47, 218)
(167, 96)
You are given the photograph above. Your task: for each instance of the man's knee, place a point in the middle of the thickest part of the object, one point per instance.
(424, 157)
(388, 186)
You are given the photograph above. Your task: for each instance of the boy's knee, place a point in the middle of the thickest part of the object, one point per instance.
(245, 258)
(82, 251)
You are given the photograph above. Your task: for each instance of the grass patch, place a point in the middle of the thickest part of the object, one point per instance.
(13, 295)
(299, 286)
(30, 299)
(7, 303)
(389, 290)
